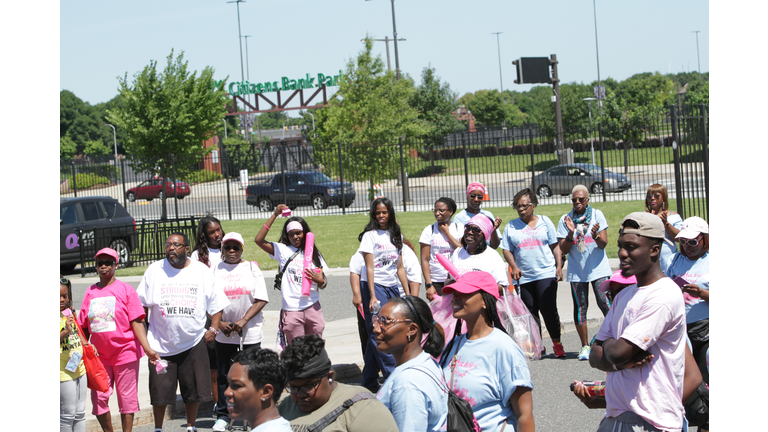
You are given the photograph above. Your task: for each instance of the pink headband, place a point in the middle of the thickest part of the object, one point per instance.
(294, 225)
(481, 221)
(475, 186)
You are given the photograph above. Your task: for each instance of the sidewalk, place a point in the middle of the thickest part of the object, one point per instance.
(342, 343)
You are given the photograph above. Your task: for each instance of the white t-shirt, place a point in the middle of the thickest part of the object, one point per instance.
(438, 243)
(489, 261)
(653, 318)
(178, 300)
(214, 256)
(412, 268)
(357, 266)
(385, 256)
(243, 284)
(291, 286)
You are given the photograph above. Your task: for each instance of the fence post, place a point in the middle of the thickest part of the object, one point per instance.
(122, 169)
(402, 175)
(466, 166)
(82, 251)
(225, 167)
(533, 166)
(283, 160)
(602, 159)
(341, 177)
(175, 193)
(676, 153)
(74, 177)
(705, 152)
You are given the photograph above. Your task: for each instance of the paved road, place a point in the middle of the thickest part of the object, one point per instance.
(555, 409)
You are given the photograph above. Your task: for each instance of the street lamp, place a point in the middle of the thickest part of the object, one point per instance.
(501, 85)
(386, 41)
(394, 31)
(697, 49)
(114, 135)
(591, 131)
(597, 55)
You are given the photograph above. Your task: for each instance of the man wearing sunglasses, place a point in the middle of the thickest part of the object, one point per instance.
(241, 321)
(177, 293)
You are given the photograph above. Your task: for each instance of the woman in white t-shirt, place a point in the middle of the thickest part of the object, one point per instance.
(475, 255)
(207, 248)
(241, 321)
(381, 245)
(442, 237)
(300, 315)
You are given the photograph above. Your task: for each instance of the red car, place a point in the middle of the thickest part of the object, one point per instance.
(152, 189)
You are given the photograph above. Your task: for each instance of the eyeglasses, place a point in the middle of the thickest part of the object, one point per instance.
(473, 229)
(473, 196)
(236, 248)
(175, 245)
(522, 207)
(64, 281)
(108, 263)
(307, 389)
(385, 322)
(690, 242)
(441, 211)
(581, 200)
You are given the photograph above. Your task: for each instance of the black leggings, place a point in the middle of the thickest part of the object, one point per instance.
(541, 295)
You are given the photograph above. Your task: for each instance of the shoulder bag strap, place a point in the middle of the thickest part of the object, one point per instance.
(426, 372)
(333, 415)
(288, 262)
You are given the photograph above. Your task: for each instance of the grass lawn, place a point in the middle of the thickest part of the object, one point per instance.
(336, 236)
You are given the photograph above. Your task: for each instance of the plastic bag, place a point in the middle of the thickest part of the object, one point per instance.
(442, 313)
(519, 323)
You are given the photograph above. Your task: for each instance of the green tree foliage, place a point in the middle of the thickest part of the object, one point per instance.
(168, 113)
(435, 102)
(67, 147)
(83, 122)
(488, 107)
(369, 114)
(96, 148)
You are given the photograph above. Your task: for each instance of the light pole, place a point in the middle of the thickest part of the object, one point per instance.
(697, 49)
(501, 85)
(240, 37)
(248, 77)
(394, 31)
(597, 55)
(114, 135)
(386, 42)
(591, 131)
(225, 128)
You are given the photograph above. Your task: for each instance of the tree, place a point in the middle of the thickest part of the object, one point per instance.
(96, 148)
(168, 113)
(371, 111)
(67, 147)
(488, 107)
(435, 103)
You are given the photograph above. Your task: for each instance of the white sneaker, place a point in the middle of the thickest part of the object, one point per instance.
(220, 425)
(584, 353)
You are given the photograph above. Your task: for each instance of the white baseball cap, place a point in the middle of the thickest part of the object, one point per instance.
(692, 227)
(233, 236)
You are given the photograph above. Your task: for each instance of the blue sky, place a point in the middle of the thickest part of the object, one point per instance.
(101, 40)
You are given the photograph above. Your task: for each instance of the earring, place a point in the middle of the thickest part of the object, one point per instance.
(263, 399)
(330, 380)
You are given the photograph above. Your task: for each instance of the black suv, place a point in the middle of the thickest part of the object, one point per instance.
(101, 216)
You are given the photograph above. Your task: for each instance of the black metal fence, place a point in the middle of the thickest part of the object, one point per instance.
(671, 150)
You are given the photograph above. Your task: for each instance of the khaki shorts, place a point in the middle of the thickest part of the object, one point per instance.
(190, 369)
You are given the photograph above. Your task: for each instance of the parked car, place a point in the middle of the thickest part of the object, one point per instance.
(561, 179)
(301, 188)
(152, 189)
(101, 213)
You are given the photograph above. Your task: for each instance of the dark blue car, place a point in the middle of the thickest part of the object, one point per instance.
(310, 188)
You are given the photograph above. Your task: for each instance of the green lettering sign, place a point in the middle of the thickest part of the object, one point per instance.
(285, 83)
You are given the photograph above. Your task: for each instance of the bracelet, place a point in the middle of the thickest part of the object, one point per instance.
(265, 226)
(216, 332)
(570, 240)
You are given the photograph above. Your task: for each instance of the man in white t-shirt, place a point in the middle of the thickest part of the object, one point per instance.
(177, 293)
(641, 342)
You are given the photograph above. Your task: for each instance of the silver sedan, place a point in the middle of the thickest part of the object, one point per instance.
(561, 179)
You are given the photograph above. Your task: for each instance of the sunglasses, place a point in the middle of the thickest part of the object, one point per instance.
(236, 248)
(64, 281)
(522, 207)
(690, 242)
(473, 229)
(385, 322)
(654, 195)
(108, 263)
(473, 196)
(581, 200)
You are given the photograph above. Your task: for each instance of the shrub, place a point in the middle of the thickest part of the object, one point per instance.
(475, 153)
(547, 147)
(506, 151)
(446, 153)
(85, 181)
(490, 151)
(201, 176)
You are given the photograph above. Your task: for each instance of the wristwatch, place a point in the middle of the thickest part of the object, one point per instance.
(429, 285)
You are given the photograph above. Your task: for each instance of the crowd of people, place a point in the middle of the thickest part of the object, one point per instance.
(203, 317)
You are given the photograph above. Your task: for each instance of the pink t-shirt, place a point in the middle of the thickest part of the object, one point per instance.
(653, 318)
(107, 314)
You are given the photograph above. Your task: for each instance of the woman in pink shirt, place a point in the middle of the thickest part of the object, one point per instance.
(111, 317)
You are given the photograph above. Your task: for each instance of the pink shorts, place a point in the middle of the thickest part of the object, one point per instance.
(301, 323)
(124, 379)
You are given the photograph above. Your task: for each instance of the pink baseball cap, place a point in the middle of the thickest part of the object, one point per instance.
(481, 221)
(471, 282)
(109, 252)
(233, 236)
(618, 278)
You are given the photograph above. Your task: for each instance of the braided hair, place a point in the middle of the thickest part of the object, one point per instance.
(201, 240)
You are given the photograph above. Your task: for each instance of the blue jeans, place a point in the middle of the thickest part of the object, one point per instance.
(225, 353)
(375, 360)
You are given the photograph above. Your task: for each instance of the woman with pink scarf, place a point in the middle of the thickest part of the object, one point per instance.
(475, 193)
(475, 255)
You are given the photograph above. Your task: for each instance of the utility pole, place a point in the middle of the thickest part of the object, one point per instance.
(386, 41)
(558, 108)
(501, 84)
(697, 49)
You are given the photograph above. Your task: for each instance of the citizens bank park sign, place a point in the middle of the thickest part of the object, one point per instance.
(245, 87)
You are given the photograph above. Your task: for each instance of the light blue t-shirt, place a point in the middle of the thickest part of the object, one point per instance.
(530, 248)
(463, 217)
(667, 250)
(593, 263)
(488, 371)
(694, 272)
(416, 394)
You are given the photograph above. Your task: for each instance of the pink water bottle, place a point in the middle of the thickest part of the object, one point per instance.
(309, 247)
